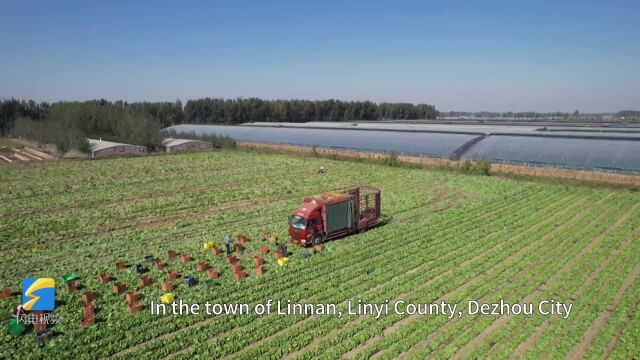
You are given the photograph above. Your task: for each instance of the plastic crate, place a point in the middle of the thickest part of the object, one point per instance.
(167, 298)
(68, 277)
(15, 328)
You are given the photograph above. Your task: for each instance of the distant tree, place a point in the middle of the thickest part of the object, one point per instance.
(9, 111)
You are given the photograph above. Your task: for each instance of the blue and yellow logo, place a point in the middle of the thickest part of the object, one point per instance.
(38, 294)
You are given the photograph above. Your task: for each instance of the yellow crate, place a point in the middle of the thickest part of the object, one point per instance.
(283, 261)
(167, 298)
(207, 245)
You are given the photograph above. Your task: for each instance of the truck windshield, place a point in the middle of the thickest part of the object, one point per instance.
(297, 222)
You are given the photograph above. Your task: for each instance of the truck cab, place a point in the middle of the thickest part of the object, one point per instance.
(334, 214)
(305, 224)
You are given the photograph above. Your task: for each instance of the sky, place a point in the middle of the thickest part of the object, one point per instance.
(522, 55)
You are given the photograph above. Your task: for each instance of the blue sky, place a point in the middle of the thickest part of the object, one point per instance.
(458, 55)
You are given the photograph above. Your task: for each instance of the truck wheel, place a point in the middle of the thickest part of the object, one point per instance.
(317, 240)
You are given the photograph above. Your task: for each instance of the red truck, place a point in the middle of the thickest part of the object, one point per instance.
(334, 214)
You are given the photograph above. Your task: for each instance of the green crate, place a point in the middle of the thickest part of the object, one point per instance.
(211, 282)
(68, 277)
(15, 328)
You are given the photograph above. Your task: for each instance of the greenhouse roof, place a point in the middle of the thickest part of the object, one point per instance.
(567, 146)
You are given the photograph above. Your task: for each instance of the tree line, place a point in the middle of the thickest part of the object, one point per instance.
(236, 111)
(69, 124)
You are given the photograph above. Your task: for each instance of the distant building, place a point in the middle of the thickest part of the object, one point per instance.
(175, 145)
(101, 148)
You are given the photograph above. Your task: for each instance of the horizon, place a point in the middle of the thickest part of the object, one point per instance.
(539, 56)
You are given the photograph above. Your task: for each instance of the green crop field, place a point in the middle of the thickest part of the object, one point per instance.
(447, 236)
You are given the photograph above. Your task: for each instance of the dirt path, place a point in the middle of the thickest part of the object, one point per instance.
(580, 349)
(504, 319)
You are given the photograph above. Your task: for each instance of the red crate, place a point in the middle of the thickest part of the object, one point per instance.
(118, 288)
(5, 293)
(167, 286)
(264, 249)
(213, 274)
(131, 297)
(88, 310)
(202, 266)
(216, 250)
(259, 270)
(120, 265)
(88, 297)
(72, 285)
(230, 259)
(172, 275)
(171, 254)
(134, 308)
(88, 321)
(145, 281)
(159, 264)
(236, 267)
(239, 275)
(185, 258)
(258, 261)
(104, 278)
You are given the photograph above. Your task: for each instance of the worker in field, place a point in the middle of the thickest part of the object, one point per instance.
(227, 243)
(282, 249)
(321, 170)
(19, 312)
